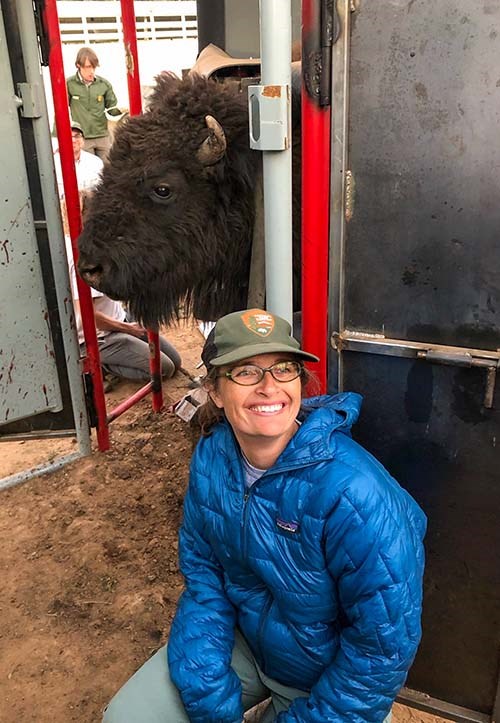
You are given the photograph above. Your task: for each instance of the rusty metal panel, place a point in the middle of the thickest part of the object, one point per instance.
(28, 375)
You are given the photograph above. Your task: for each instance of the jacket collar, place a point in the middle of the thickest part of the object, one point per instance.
(314, 441)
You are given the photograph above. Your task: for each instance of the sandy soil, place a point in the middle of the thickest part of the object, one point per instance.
(88, 562)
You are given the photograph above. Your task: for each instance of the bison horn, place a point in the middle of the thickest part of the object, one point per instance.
(214, 146)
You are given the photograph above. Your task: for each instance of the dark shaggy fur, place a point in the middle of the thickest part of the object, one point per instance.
(192, 248)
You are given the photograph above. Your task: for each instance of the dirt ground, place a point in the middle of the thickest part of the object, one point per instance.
(88, 561)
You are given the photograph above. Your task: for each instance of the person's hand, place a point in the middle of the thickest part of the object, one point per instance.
(136, 329)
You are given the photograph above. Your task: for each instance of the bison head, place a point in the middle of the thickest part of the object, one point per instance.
(171, 222)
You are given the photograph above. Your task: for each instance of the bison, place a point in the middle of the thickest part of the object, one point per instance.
(172, 221)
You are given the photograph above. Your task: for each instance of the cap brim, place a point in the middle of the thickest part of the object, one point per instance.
(244, 352)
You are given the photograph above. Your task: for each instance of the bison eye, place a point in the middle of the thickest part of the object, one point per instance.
(161, 192)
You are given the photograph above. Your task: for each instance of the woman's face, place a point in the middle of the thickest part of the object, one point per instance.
(265, 411)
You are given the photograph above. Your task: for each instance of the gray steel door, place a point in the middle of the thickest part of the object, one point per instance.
(415, 310)
(28, 377)
(40, 378)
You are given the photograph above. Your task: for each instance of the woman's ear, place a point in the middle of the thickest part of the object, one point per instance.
(216, 398)
(211, 389)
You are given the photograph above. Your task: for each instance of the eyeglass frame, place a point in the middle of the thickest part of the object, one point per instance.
(263, 370)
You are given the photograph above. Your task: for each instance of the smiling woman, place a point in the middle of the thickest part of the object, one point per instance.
(302, 557)
(263, 415)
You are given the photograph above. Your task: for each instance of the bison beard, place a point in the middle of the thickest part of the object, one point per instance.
(171, 224)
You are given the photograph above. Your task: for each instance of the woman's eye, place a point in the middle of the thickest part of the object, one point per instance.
(281, 369)
(162, 191)
(244, 372)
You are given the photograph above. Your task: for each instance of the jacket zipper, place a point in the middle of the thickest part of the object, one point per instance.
(244, 545)
(246, 502)
(244, 523)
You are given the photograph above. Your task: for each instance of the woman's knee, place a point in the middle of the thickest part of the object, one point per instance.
(149, 696)
(168, 367)
(171, 352)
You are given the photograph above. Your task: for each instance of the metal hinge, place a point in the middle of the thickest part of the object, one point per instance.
(435, 353)
(29, 99)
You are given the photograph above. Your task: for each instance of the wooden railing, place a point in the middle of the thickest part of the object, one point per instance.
(85, 22)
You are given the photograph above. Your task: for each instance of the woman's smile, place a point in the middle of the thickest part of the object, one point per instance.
(262, 415)
(267, 408)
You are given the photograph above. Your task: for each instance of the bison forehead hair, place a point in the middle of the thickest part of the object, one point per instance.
(171, 222)
(175, 121)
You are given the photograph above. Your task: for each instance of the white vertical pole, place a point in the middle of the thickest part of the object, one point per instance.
(276, 43)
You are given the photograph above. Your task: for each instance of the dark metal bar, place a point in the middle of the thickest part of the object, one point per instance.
(349, 340)
(211, 23)
(424, 702)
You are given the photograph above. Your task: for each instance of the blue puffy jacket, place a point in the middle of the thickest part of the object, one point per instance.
(319, 564)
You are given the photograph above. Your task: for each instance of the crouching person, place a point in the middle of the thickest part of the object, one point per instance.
(302, 557)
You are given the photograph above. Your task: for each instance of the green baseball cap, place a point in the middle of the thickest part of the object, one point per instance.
(77, 127)
(247, 333)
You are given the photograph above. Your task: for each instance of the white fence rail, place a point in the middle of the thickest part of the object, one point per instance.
(86, 22)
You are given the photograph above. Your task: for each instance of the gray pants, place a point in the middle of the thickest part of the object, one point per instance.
(99, 146)
(151, 697)
(128, 356)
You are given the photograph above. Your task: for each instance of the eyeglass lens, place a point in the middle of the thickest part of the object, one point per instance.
(248, 374)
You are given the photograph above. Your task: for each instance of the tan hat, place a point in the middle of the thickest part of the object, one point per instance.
(212, 58)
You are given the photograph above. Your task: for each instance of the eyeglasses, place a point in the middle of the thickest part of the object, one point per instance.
(249, 374)
(76, 135)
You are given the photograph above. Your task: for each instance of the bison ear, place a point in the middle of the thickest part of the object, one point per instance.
(214, 146)
(167, 85)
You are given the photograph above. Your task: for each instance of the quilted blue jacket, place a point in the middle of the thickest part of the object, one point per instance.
(319, 564)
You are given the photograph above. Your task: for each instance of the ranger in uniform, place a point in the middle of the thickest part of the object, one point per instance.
(90, 98)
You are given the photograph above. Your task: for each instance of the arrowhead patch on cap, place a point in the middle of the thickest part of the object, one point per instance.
(260, 323)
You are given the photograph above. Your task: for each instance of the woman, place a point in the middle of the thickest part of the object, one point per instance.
(302, 557)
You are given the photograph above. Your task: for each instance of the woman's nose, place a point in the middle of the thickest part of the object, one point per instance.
(268, 382)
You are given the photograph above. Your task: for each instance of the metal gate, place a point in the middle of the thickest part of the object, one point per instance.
(40, 379)
(415, 304)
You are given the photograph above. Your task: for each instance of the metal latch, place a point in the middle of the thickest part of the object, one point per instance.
(269, 109)
(368, 343)
(465, 359)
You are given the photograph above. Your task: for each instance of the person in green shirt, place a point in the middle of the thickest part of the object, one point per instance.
(91, 98)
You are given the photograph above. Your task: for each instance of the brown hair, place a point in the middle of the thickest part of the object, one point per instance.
(86, 54)
(209, 414)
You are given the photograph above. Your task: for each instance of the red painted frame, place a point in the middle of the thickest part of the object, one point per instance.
(92, 363)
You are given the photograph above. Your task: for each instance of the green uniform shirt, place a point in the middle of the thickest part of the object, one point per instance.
(88, 102)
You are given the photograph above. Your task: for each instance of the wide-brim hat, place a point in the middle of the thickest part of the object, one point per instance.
(247, 333)
(212, 59)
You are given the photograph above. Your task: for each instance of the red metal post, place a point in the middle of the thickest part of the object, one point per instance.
(135, 106)
(58, 82)
(315, 199)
